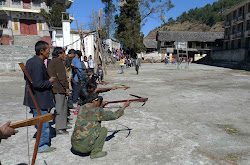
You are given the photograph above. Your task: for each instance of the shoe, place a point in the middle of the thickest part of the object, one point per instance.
(68, 127)
(72, 107)
(62, 132)
(98, 155)
(49, 149)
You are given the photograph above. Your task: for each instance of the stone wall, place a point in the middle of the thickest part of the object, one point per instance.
(235, 55)
(11, 55)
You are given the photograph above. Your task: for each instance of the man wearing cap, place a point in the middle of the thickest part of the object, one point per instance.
(88, 135)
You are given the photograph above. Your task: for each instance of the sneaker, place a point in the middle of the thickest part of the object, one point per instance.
(98, 155)
(62, 132)
(49, 149)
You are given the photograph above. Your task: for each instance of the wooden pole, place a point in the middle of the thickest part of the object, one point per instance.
(98, 40)
(97, 33)
(38, 136)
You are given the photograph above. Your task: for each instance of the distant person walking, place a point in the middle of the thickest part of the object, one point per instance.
(137, 64)
(152, 60)
(122, 63)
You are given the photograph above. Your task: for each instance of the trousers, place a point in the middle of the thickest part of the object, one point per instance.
(61, 111)
(45, 136)
(97, 147)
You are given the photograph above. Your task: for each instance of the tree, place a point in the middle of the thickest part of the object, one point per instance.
(129, 27)
(150, 7)
(109, 15)
(53, 18)
(170, 20)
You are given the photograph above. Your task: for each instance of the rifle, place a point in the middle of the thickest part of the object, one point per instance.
(125, 87)
(144, 100)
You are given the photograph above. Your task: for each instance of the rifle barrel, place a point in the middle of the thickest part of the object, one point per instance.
(131, 100)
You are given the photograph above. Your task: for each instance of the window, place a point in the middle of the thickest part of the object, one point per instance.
(248, 25)
(239, 43)
(228, 17)
(226, 44)
(190, 44)
(40, 26)
(202, 45)
(198, 44)
(232, 44)
(234, 30)
(2, 2)
(248, 7)
(16, 24)
(36, 3)
(16, 2)
(234, 14)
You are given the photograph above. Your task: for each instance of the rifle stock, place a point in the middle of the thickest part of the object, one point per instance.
(33, 121)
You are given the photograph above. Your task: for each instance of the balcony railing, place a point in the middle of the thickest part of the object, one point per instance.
(27, 6)
(19, 5)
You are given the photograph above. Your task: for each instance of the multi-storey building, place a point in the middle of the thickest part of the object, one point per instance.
(198, 44)
(237, 26)
(21, 17)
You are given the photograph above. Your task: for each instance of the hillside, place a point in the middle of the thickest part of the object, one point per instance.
(187, 26)
(206, 19)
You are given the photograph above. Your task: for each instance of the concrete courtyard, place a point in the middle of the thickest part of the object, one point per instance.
(195, 116)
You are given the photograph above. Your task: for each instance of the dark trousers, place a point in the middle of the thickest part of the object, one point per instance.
(137, 69)
(76, 92)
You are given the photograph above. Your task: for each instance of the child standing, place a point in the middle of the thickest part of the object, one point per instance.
(99, 72)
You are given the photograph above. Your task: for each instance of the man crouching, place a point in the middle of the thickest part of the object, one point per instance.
(88, 135)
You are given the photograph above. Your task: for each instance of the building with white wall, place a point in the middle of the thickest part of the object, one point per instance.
(21, 17)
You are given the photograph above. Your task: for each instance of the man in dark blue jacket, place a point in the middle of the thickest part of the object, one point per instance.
(42, 90)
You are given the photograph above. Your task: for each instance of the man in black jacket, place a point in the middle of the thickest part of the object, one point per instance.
(42, 90)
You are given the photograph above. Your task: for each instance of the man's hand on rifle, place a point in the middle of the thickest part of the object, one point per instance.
(104, 103)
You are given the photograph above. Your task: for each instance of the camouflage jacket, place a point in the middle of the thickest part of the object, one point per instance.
(88, 124)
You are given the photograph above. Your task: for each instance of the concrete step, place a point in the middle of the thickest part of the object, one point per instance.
(9, 66)
(26, 40)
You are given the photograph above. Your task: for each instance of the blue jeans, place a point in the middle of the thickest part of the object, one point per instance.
(45, 136)
(122, 68)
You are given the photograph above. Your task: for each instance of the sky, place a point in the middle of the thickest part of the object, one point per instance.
(82, 10)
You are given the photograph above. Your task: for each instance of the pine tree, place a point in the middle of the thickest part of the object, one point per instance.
(129, 27)
(53, 18)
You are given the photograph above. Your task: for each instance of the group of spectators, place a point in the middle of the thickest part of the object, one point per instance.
(57, 83)
(175, 60)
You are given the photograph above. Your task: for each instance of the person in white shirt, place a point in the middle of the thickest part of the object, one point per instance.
(85, 61)
(91, 63)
